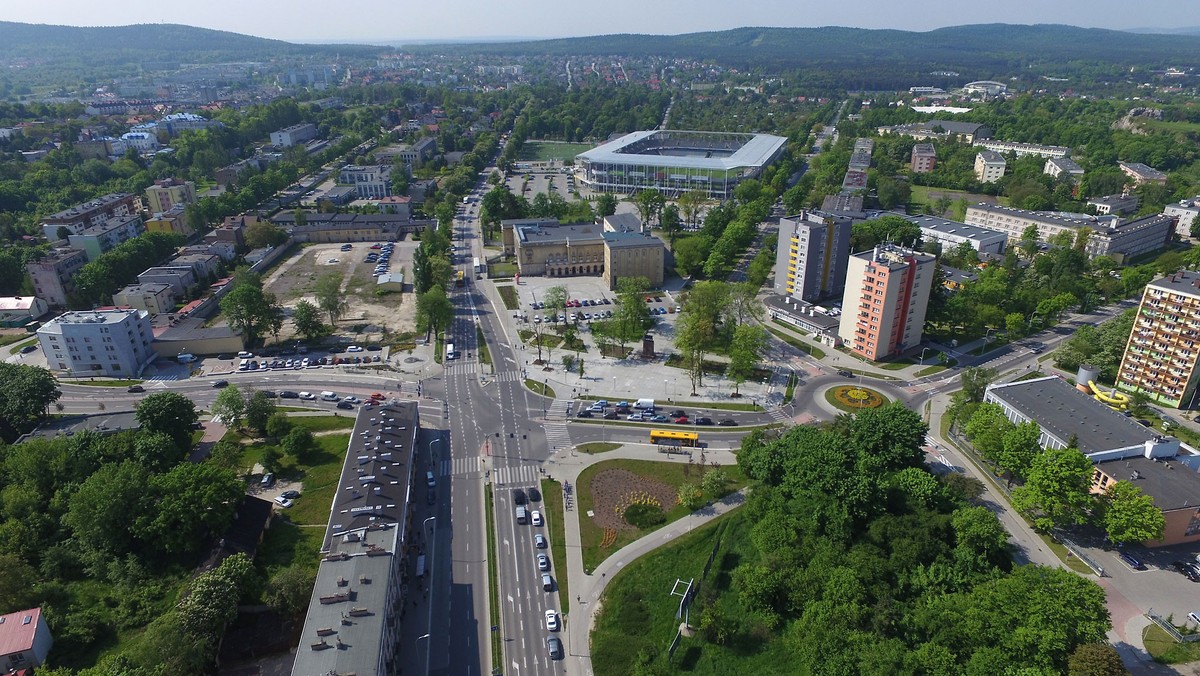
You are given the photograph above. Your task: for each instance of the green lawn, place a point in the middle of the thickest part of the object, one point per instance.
(322, 423)
(19, 346)
(807, 348)
(10, 338)
(502, 270)
(712, 368)
(106, 383)
(936, 368)
(672, 473)
(286, 543)
(509, 295)
(598, 447)
(319, 480)
(484, 355)
(1165, 650)
(493, 580)
(552, 505)
(542, 151)
(540, 388)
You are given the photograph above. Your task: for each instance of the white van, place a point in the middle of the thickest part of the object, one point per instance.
(643, 404)
(329, 396)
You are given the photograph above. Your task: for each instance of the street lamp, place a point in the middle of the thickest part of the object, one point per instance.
(923, 351)
(987, 338)
(432, 457)
(432, 559)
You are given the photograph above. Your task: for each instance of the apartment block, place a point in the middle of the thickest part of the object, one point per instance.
(1161, 356)
(1109, 235)
(1184, 212)
(370, 182)
(108, 342)
(1115, 204)
(79, 218)
(810, 260)
(168, 192)
(53, 275)
(952, 233)
(1140, 173)
(154, 298)
(104, 237)
(884, 304)
(989, 166)
(290, 136)
(171, 221)
(924, 157)
(1023, 149)
(1060, 166)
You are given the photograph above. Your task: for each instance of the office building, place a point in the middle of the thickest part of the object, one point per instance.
(1058, 167)
(104, 237)
(883, 307)
(1110, 236)
(295, 134)
(369, 182)
(989, 166)
(361, 586)
(168, 192)
(53, 275)
(95, 212)
(633, 254)
(675, 162)
(25, 641)
(810, 259)
(1024, 149)
(952, 233)
(1161, 356)
(107, 342)
(546, 247)
(924, 157)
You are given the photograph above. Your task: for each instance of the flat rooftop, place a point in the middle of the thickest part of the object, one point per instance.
(1184, 282)
(1172, 484)
(534, 235)
(949, 227)
(756, 150)
(1064, 411)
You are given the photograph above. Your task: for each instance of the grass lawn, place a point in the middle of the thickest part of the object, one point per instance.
(106, 383)
(638, 613)
(540, 388)
(598, 447)
(807, 348)
(920, 194)
(712, 368)
(842, 406)
(10, 338)
(552, 506)
(286, 543)
(1165, 650)
(937, 368)
(19, 346)
(484, 355)
(323, 423)
(543, 151)
(493, 580)
(319, 480)
(509, 295)
(502, 270)
(672, 473)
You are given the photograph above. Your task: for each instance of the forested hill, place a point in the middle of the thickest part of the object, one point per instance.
(147, 43)
(964, 47)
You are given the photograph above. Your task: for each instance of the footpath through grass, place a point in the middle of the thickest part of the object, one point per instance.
(673, 473)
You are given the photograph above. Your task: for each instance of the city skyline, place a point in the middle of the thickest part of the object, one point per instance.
(466, 20)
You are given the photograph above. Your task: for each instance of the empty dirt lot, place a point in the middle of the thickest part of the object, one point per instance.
(370, 317)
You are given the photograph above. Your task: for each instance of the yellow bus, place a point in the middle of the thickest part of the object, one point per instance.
(458, 278)
(674, 438)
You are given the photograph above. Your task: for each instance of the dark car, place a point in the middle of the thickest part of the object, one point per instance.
(269, 394)
(1187, 570)
(704, 421)
(678, 414)
(1131, 561)
(584, 414)
(136, 388)
(345, 405)
(374, 348)
(224, 357)
(845, 374)
(535, 495)
(519, 496)
(28, 348)
(220, 383)
(290, 495)
(336, 350)
(554, 647)
(728, 422)
(288, 394)
(612, 415)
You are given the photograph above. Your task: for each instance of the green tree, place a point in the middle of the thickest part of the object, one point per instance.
(649, 204)
(690, 495)
(1096, 659)
(306, 318)
(168, 413)
(107, 503)
(250, 310)
(259, 409)
(745, 351)
(1056, 488)
(230, 407)
(889, 437)
(1029, 242)
(980, 541)
(289, 589)
(278, 425)
(975, 381)
(211, 600)
(690, 255)
(606, 205)
(1130, 516)
(1020, 445)
(330, 299)
(263, 234)
(26, 392)
(434, 310)
(986, 429)
(299, 443)
(670, 222)
(16, 585)
(690, 204)
(192, 502)
(156, 451)
(744, 305)
(555, 299)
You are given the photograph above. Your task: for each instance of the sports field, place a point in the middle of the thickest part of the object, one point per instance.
(544, 151)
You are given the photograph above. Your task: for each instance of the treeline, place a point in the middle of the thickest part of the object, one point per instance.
(96, 281)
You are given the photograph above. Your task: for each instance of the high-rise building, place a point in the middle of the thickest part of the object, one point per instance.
(924, 156)
(111, 342)
(810, 260)
(1162, 353)
(883, 307)
(989, 166)
(168, 192)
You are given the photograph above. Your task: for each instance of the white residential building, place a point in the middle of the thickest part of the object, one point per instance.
(952, 233)
(370, 182)
(293, 135)
(1058, 166)
(1184, 212)
(989, 166)
(107, 342)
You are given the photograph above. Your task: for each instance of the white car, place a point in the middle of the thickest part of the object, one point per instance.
(307, 395)
(352, 399)
(245, 355)
(354, 348)
(283, 502)
(536, 517)
(551, 620)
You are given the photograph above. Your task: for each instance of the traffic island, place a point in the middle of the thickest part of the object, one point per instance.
(854, 398)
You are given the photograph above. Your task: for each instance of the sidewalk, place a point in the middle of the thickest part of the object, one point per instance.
(580, 613)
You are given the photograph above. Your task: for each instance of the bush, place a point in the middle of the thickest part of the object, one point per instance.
(644, 516)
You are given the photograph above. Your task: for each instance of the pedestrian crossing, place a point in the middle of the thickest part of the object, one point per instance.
(779, 416)
(559, 409)
(461, 369)
(520, 475)
(507, 376)
(165, 376)
(558, 436)
(460, 466)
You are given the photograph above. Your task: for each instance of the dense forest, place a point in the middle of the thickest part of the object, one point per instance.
(850, 557)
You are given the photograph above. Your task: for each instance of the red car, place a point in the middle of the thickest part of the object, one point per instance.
(681, 420)
(378, 396)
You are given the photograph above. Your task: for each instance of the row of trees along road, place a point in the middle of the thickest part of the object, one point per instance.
(1053, 484)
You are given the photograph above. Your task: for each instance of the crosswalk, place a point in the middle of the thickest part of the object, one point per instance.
(559, 409)
(460, 466)
(461, 369)
(165, 376)
(520, 475)
(557, 434)
(779, 416)
(507, 376)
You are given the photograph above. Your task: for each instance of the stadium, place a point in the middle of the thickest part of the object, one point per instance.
(675, 162)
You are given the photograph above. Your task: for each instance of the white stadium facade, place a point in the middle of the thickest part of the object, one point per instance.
(675, 162)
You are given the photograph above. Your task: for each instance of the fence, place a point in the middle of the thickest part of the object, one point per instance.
(1170, 628)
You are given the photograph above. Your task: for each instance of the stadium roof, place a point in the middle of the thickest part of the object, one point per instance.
(756, 151)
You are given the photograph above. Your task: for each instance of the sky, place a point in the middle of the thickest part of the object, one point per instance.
(392, 21)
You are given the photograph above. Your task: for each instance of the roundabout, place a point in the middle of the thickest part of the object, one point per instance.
(853, 398)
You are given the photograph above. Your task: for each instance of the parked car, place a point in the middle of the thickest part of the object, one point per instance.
(704, 421)
(1188, 570)
(283, 502)
(543, 562)
(28, 348)
(728, 422)
(551, 620)
(290, 495)
(136, 388)
(536, 517)
(539, 541)
(218, 384)
(354, 348)
(288, 394)
(345, 405)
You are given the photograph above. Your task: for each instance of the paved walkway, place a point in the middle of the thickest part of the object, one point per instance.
(581, 611)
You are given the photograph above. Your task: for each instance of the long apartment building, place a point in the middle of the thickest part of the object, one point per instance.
(1164, 347)
(53, 275)
(1110, 236)
(810, 261)
(884, 304)
(83, 216)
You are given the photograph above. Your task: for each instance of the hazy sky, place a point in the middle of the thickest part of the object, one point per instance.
(380, 21)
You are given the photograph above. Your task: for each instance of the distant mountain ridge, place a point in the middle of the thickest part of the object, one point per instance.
(967, 46)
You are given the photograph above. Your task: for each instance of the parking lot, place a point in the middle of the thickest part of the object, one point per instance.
(295, 279)
(542, 181)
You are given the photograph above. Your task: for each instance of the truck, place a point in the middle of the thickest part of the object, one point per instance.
(522, 514)
(643, 404)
